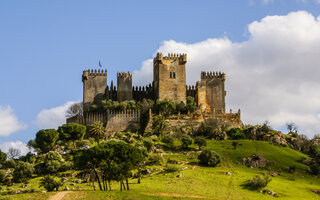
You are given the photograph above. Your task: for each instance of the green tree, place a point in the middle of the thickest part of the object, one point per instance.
(97, 130)
(180, 107)
(191, 105)
(159, 125)
(168, 140)
(186, 141)
(46, 139)
(200, 141)
(3, 175)
(53, 161)
(148, 143)
(72, 131)
(3, 158)
(165, 106)
(209, 158)
(22, 172)
(50, 183)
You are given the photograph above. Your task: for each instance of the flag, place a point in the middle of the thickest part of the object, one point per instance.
(100, 64)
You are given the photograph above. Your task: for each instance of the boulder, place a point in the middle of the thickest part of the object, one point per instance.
(269, 192)
(255, 161)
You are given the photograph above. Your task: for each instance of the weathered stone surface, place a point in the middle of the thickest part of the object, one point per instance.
(255, 161)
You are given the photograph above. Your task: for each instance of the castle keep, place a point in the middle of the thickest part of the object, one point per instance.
(169, 82)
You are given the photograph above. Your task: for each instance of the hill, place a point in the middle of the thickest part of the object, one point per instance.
(198, 182)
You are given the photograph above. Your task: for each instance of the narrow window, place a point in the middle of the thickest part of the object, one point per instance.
(170, 74)
(174, 74)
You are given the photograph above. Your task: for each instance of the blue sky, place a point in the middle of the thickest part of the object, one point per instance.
(45, 45)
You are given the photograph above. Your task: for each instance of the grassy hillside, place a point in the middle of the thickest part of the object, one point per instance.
(206, 182)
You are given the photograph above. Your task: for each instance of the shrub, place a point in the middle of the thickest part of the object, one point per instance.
(22, 172)
(46, 139)
(3, 175)
(257, 182)
(172, 161)
(148, 143)
(171, 168)
(209, 158)
(10, 163)
(236, 134)
(186, 141)
(200, 141)
(53, 161)
(168, 140)
(3, 157)
(50, 183)
(155, 159)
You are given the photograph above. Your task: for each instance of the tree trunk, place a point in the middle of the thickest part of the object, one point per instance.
(127, 184)
(95, 172)
(109, 185)
(139, 180)
(120, 186)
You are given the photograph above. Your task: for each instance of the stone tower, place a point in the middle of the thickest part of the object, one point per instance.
(169, 76)
(94, 86)
(210, 93)
(124, 86)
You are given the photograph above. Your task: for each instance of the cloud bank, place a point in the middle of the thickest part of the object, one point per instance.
(9, 123)
(273, 76)
(53, 117)
(16, 145)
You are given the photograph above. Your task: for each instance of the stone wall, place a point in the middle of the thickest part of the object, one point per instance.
(94, 86)
(113, 120)
(169, 75)
(124, 86)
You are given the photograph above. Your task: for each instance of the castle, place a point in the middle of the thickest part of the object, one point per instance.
(169, 82)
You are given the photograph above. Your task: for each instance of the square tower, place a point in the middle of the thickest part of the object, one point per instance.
(124, 86)
(169, 76)
(94, 86)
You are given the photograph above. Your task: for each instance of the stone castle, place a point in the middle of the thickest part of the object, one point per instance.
(169, 82)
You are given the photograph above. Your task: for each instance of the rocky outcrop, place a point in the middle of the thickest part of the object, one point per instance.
(255, 161)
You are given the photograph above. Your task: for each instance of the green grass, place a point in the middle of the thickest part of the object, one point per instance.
(207, 182)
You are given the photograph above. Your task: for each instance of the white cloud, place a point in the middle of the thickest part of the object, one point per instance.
(317, 1)
(274, 75)
(53, 117)
(16, 145)
(9, 123)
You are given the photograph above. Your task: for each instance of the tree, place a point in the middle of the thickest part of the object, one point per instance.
(165, 106)
(3, 175)
(115, 159)
(50, 183)
(53, 161)
(22, 172)
(159, 125)
(180, 107)
(168, 140)
(148, 143)
(209, 158)
(186, 141)
(97, 130)
(3, 157)
(13, 153)
(46, 139)
(75, 109)
(191, 105)
(200, 141)
(72, 131)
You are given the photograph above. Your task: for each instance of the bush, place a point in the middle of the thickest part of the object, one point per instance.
(53, 161)
(50, 183)
(200, 141)
(236, 134)
(22, 172)
(3, 157)
(46, 139)
(171, 168)
(168, 140)
(209, 158)
(148, 143)
(257, 182)
(186, 141)
(3, 176)
(155, 159)
(10, 164)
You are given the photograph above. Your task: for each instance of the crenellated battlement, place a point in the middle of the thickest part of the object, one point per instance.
(124, 75)
(182, 57)
(213, 75)
(95, 72)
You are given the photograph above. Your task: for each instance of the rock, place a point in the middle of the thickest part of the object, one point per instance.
(315, 191)
(269, 192)
(66, 188)
(179, 176)
(228, 173)
(43, 191)
(184, 168)
(72, 184)
(273, 174)
(255, 161)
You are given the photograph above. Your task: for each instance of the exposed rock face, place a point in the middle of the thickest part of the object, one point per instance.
(255, 161)
(256, 133)
(269, 192)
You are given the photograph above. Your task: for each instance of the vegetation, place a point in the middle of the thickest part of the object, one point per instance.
(50, 183)
(97, 130)
(257, 182)
(209, 158)
(46, 139)
(186, 141)
(72, 132)
(236, 134)
(159, 125)
(200, 141)
(22, 172)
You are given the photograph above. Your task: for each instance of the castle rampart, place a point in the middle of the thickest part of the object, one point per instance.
(124, 86)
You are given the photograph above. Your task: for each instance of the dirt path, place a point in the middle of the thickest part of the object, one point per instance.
(59, 196)
(176, 195)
